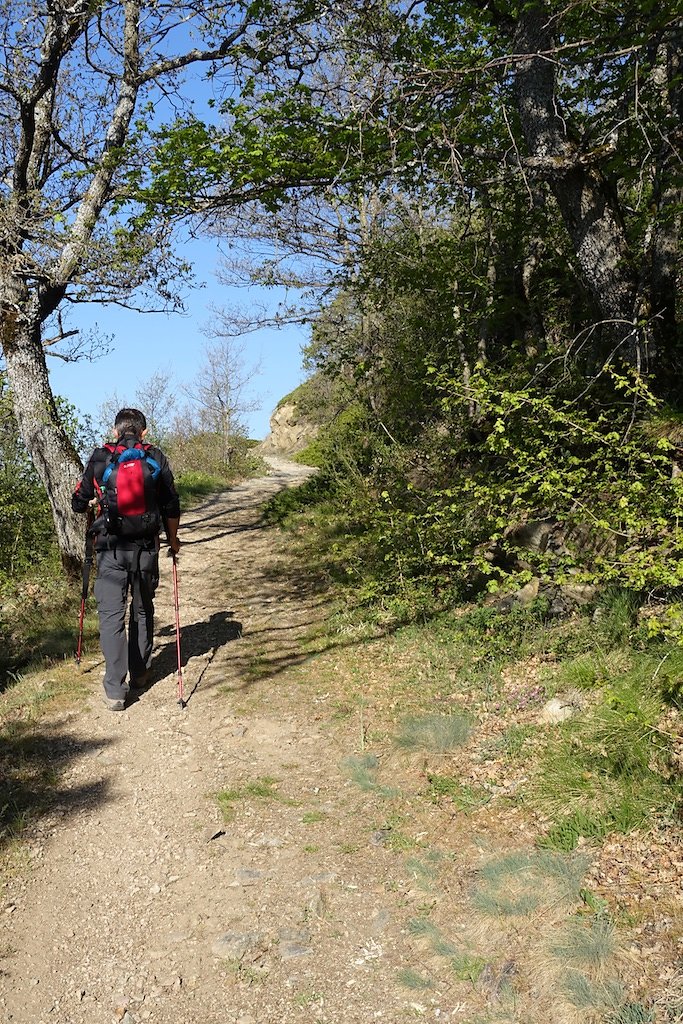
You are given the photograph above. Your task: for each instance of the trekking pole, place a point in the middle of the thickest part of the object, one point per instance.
(87, 566)
(181, 694)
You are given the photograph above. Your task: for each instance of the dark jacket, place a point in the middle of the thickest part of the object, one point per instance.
(90, 486)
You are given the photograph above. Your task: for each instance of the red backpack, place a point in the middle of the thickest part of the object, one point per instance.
(128, 491)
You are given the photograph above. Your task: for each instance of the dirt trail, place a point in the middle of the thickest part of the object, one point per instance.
(335, 893)
(129, 910)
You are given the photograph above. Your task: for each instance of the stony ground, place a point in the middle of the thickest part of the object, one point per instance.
(246, 859)
(142, 903)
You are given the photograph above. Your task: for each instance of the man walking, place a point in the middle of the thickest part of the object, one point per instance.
(131, 484)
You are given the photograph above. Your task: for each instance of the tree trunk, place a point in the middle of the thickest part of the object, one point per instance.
(587, 207)
(661, 272)
(53, 454)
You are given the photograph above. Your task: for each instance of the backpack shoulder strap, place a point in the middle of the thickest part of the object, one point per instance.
(115, 453)
(155, 467)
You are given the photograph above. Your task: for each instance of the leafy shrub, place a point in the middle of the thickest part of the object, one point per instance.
(213, 455)
(549, 450)
(312, 455)
(39, 620)
(26, 529)
(292, 501)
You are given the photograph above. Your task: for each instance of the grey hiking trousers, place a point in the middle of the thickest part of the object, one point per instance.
(119, 570)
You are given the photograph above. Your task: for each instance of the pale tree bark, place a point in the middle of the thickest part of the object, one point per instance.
(26, 303)
(53, 455)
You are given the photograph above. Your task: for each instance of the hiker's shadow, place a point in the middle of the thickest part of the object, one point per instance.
(228, 532)
(196, 639)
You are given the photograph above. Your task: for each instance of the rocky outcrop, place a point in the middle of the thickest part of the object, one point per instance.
(555, 540)
(290, 431)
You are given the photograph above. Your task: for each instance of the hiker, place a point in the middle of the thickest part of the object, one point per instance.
(131, 485)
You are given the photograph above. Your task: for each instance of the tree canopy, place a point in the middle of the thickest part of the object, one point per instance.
(489, 204)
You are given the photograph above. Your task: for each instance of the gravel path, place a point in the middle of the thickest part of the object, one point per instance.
(140, 902)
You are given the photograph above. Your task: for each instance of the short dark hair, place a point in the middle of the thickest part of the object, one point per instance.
(130, 421)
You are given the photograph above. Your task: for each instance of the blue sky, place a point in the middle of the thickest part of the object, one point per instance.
(144, 343)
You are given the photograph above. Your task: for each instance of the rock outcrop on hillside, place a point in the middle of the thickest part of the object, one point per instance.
(290, 431)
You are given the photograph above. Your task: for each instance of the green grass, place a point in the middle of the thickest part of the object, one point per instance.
(363, 771)
(511, 745)
(396, 838)
(412, 979)
(633, 1013)
(424, 929)
(307, 998)
(193, 485)
(311, 817)
(623, 816)
(244, 974)
(423, 874)
(587, 944)
(436, 733)
(518, 883)
(597, 904)
(468, 967)
(400, 842)
(462, 796)
(348, 848)
(598, 996)
(584, 671)
(264, 788)
(465, 965)
(608, 770)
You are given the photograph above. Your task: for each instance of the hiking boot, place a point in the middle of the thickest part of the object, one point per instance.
(114, 703)
(139, 684)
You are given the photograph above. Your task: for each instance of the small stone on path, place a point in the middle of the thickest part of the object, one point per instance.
(213, 832)
(294, 943)
(247, 876)
(234, 945)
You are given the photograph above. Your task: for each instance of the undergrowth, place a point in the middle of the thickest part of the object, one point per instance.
(613, 766)
(39, 623)
(616, 765)
(35, 751)
(193, 485)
